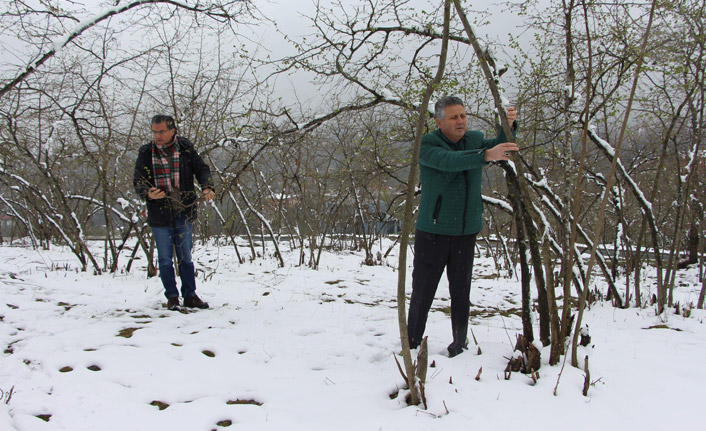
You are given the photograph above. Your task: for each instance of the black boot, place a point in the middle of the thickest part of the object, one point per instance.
(456, 349)
(195, 302)
(173, 303)
(460, 342)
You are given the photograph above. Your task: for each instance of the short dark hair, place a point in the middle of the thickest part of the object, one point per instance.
(157, 119)
(442, 103)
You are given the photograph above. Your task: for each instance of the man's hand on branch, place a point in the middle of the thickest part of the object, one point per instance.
(511, 114)
(501, 152)
(208, 194)
(154, 193)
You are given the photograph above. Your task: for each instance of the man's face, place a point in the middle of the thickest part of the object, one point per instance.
(161, 135)
(453, 125)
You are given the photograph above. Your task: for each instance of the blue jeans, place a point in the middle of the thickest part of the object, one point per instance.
(177, 238)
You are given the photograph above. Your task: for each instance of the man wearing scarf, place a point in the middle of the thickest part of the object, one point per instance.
(164, 177)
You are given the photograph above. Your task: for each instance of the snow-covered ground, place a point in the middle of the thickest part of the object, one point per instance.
(299, 349)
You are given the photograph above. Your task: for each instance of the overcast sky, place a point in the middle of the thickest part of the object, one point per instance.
(289, 16)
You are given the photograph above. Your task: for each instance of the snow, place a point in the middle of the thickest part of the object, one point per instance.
(645, 205)
(545, 223)
(59, 43)
(389, 96)
(602, 142)
(124, 203)
(691, 157)
(298, 349)
(234, 141)
(497, 202)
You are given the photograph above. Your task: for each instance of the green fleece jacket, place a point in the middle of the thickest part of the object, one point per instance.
(450, 174)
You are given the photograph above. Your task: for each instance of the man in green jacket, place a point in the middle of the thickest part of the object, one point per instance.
(451, 161)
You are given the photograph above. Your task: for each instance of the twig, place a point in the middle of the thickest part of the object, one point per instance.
(7, 396)
(436, 373)
(399, 367)
(474, 337)
(423, 395)
(435, 416)
(560, 373)
(480, 352)
(506, 332)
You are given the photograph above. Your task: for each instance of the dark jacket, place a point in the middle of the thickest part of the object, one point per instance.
(161, 212)
(450, 174)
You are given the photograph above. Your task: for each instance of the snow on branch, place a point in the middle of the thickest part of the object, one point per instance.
(22, 220)
(503, 205)
(692, 155)
(98, 203)
(547, 226)
(61, 231)
(610, 153)
(16, 178)
(553, 203)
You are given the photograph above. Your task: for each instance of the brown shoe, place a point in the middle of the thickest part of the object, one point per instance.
(195, 302)
(173, 303)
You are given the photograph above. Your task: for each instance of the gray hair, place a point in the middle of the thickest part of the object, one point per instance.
(442, 103)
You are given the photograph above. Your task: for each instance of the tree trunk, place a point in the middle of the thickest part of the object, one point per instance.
(409, 209)
(557, 341)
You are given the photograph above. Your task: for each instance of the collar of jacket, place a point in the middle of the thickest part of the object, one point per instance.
(454, 145)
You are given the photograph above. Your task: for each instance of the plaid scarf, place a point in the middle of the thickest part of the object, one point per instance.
(165, 166)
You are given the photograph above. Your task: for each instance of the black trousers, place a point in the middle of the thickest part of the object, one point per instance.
(433, 253)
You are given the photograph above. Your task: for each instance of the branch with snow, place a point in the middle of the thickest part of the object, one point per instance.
(610, 153)
(22, 220)
(101, 204)
(553, 203)
(499, 203)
